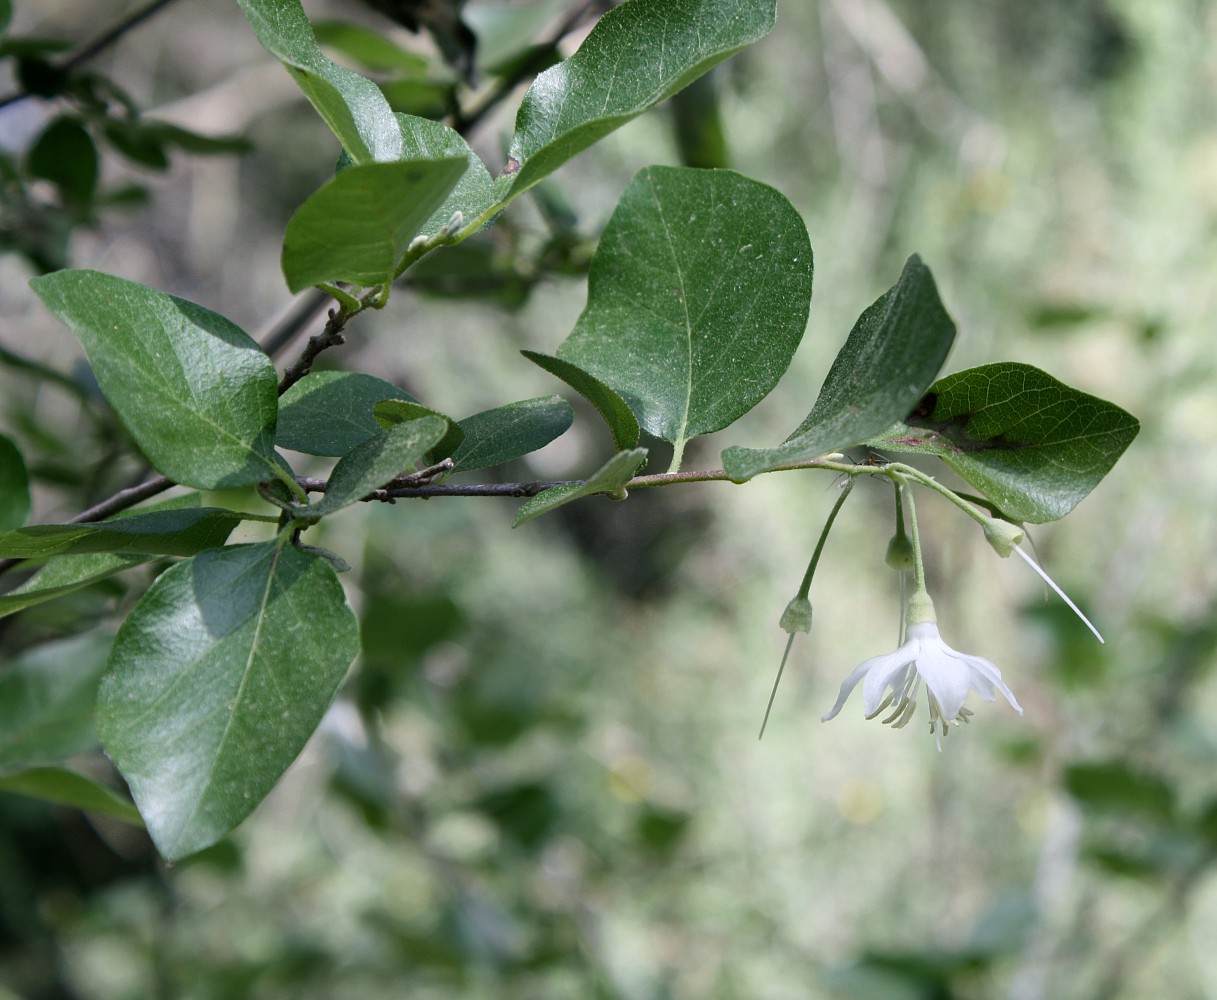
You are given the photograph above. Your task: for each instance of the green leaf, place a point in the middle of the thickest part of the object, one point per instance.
(1034, 446)
(506, 432)
(356, 227)
(377, 460)
(198, 395)
(1112, 787)
(46, 701)
(217, 679)
(892, 354)
(391, 412)
(14, 486)
(697, 299)
(636, 56)
(622, 423)
(351, 105)
(65, 155)
(330, 412)
(160, 532)
(610, 478)
(423, 139)
(67, 788)
(64, 575)
(370, 49)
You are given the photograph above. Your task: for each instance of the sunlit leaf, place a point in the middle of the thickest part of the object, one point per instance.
(216, 681)
(1031, 444)
(356, 227)
(371, 464)
(197, 394)
(507, 432)
(697, 299)
(892, 354)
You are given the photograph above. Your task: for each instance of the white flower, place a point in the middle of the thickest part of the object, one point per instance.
(895, 678)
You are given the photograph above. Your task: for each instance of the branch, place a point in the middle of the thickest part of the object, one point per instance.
(94, 48)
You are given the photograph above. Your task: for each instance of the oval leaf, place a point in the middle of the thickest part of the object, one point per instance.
(356, 227)
(391, 412)
(372, 464)
(1031, 444)
(637, 55)
(506, 432)
(697, 299)
(351, 105)
(65, 574)
(330, 412)
(217, 680)
(891, 356)
(197, 394)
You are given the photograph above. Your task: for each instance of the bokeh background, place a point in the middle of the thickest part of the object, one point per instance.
(543, 778)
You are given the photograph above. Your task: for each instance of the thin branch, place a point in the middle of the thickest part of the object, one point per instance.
(331, 336)
(302, 312)
(102, 42)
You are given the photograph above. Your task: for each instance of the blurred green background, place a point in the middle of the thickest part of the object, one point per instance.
(543, 779)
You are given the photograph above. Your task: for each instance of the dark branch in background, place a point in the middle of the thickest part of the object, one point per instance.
(99, 45)
(302, 312)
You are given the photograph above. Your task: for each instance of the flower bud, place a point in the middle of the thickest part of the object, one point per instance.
(1003, 535)
(900, 552)
(797, 616)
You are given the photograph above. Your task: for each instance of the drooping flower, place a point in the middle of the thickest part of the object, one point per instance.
(894, 680)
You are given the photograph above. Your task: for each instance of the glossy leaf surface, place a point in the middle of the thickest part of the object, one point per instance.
(198, 395)
(697, 299)
(329, 412)
(891, 356)
(391, 412)
(1031, 444)
(356, 227)
(637, 55)
(370, 465)
(217, 680)
(423, 139)
(507, 432)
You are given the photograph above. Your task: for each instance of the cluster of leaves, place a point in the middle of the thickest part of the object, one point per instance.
(698, 296)
(55, 185)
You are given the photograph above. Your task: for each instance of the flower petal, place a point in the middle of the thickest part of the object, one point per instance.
(986, 669)
(847, 688)
(879, 671)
